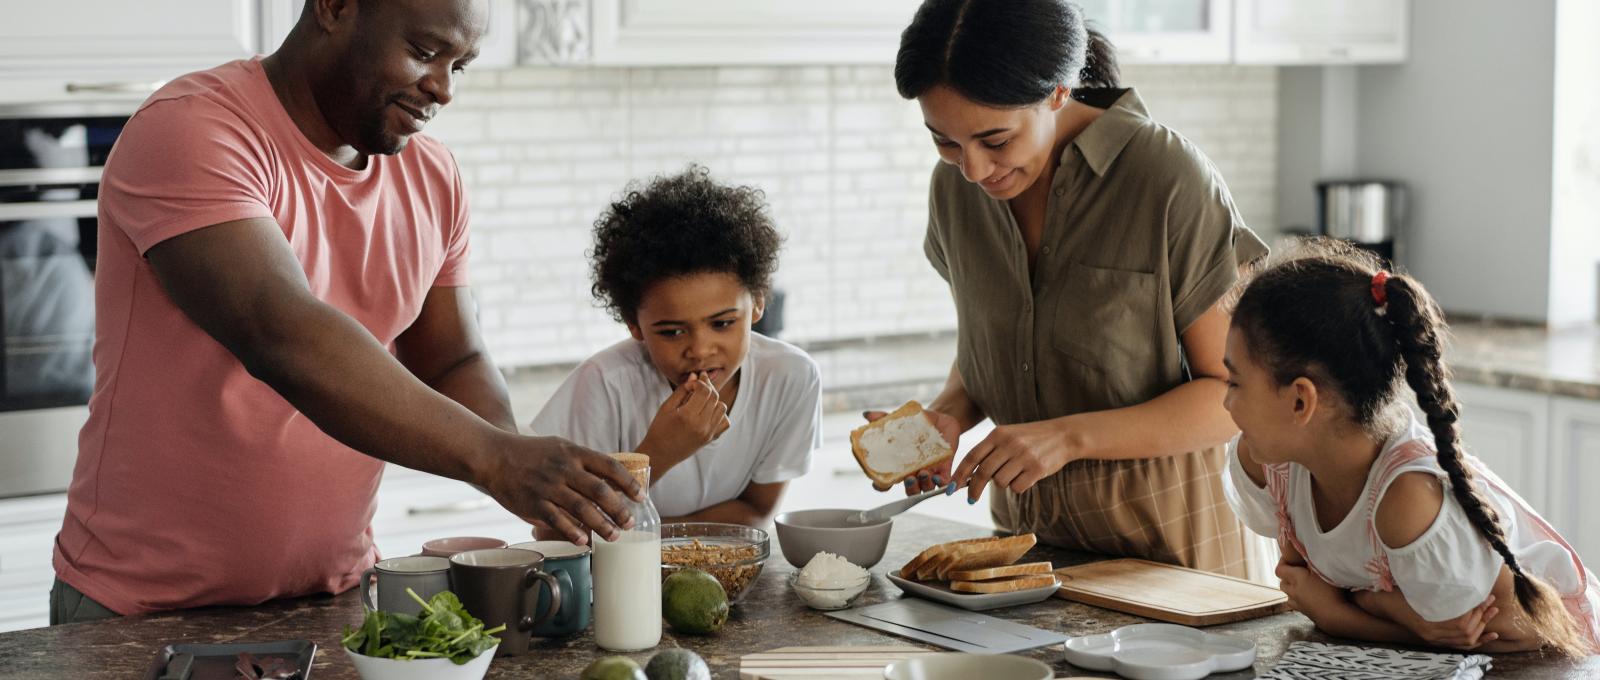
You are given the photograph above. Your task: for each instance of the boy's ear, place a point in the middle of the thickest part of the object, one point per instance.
(633, 330)
(1306, 400)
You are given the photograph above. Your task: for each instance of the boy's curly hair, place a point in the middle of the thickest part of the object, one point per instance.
(678, 225)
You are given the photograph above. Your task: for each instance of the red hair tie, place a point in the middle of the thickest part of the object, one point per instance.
(1380, 294)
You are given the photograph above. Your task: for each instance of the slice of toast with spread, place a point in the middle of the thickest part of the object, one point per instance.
(898, 445)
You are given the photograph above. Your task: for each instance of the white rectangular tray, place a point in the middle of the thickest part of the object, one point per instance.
(976, 602)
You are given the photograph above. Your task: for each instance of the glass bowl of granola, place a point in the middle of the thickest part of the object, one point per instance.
(734, 554)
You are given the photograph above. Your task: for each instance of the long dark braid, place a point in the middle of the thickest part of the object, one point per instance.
(1417, 324)
(1315, 315)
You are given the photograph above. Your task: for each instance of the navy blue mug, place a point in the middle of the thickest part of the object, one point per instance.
(569, 564)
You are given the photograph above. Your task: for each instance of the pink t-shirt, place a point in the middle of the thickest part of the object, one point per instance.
(197, 484)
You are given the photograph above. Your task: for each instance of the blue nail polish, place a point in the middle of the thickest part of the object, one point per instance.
(951, 489)
(971, 501)
(910, 482)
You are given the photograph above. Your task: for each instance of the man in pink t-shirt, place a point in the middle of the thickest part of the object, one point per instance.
(281, 307)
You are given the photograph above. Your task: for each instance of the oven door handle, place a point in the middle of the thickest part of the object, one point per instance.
(125, 87)
(36, 210)
(48, 176)
(467, 505)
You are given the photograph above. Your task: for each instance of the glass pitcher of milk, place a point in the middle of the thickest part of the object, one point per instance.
(627, 573)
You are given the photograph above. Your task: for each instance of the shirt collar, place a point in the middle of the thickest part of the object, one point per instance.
(1103, 140)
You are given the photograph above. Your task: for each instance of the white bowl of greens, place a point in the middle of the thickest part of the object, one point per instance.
(443, 642)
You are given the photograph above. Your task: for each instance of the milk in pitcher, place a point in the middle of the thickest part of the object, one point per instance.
(627, 591)
(627, 573)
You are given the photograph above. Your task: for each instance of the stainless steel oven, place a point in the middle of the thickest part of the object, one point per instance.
(50, 163)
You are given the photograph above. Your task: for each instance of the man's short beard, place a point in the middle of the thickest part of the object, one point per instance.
(375, 139)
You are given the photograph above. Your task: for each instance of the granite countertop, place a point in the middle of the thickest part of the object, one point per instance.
(884, 372)
(1561, 362)
(771, 617)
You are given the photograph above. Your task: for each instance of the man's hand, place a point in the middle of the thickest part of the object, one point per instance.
(692, 417)
(935, 476)
(551, 482)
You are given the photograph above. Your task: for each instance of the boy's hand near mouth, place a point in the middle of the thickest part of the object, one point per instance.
(692, 417)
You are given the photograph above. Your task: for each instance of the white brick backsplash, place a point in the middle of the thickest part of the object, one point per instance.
(843, 160)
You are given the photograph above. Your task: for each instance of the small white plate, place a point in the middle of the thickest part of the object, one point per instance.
(976, 602)
(1161, 651)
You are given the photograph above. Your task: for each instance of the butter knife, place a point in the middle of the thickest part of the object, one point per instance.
(888, 510)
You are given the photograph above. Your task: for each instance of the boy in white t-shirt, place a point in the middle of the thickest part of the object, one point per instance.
(727, 416)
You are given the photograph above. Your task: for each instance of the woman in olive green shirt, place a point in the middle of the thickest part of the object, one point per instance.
(1088, 249)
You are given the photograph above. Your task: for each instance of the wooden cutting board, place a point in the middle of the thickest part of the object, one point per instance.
(1168, 593)
(810, 663)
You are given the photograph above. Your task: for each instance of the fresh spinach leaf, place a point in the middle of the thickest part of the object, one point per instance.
(444, 629)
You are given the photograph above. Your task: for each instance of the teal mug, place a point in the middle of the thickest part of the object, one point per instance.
(569, 563)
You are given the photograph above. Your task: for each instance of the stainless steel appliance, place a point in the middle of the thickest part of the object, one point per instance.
(1368, 213)
(51, 158)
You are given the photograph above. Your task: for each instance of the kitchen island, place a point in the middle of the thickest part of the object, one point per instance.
(770, 617)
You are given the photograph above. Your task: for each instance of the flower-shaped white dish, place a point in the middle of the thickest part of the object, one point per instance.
(1160, 651)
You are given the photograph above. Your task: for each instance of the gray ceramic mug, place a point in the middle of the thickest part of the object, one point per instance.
(501, 586)
(569, 563)
(428, 576)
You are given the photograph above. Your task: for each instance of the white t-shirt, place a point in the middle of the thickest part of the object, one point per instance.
(608, 402)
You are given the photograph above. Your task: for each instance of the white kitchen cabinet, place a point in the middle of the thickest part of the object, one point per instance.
(732, 32)
(1320, 31)
(498, 49)
(98, 49)
(28, 529)
(1575, 473)
(1509, 430)
(1165, 31)
(1546, 448)
(277, 18)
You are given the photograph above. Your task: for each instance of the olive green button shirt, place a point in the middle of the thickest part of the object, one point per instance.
(1141, 238)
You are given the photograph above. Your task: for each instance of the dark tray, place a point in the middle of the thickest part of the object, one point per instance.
(216, 662)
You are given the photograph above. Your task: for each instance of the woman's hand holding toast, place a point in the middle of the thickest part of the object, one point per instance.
(935, 476)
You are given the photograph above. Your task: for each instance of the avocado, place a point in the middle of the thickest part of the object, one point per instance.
(677, 664)
(694, 602)
(613, 668)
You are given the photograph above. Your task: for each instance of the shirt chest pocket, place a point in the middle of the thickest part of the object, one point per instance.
(1106, 318)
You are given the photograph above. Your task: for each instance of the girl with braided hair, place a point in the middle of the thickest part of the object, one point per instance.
(1390, 530)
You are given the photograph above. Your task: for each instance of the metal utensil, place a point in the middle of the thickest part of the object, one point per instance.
(888, 510)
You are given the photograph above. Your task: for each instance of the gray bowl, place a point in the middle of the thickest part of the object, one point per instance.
(804, 533)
